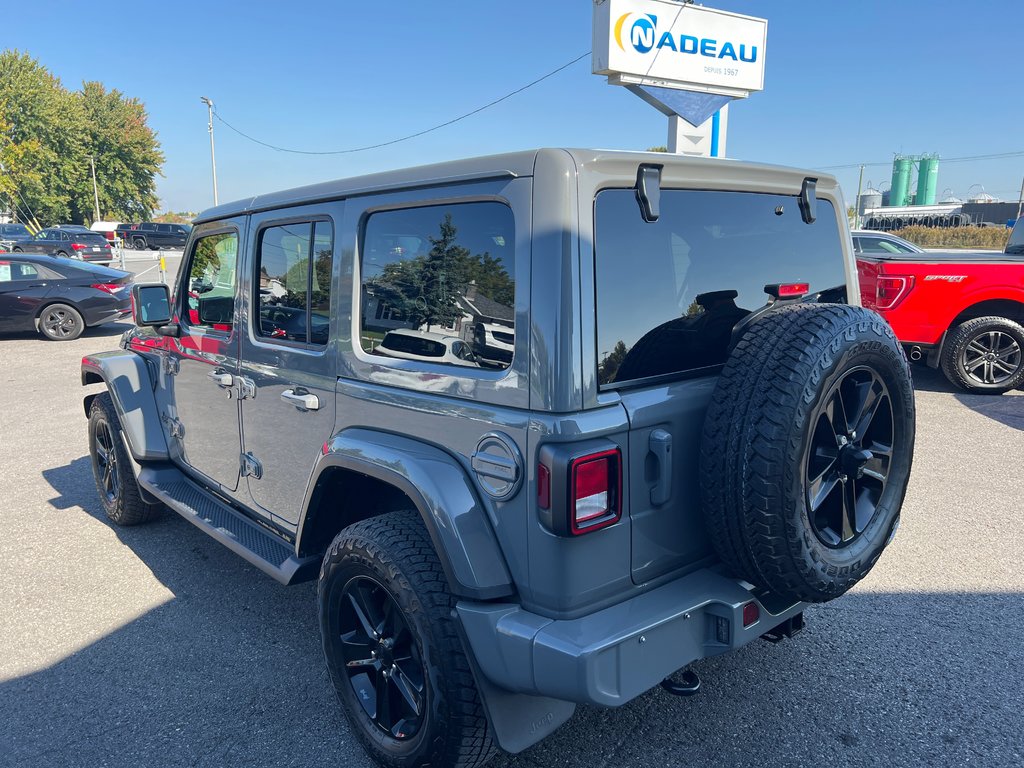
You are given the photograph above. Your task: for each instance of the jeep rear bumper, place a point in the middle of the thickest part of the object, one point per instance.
(618, 653)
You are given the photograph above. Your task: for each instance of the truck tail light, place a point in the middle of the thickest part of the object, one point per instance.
(890, 290)
(595, 498)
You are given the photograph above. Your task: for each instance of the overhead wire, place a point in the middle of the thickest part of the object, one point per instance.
(996, 156)
(411, 135)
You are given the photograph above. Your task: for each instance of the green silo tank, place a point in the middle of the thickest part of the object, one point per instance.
(899, 193)
(927, 179)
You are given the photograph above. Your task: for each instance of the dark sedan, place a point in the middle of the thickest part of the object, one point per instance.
(14, 233)
(60, 298)
(68, 244)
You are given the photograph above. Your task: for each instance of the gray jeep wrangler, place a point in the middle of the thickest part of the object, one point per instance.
(547, 427)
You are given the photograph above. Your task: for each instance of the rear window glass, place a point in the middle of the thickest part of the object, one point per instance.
(670, 292)
(440, 269)
(1016, 243)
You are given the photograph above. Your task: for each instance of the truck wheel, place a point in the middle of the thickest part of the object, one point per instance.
(111, 467)
(139, 244)
(984, 355)
(392, 648)
(807, 448)
(59, 322)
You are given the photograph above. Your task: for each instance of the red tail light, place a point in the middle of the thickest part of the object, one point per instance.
(787, 290)
(595, 498)
(890, 290)
(111, 288)
(77, 246)
(751, 613)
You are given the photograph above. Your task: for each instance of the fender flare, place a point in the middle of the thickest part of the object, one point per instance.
(130, 383)
(451, 510)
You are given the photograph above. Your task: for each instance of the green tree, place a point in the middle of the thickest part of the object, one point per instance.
(45, 122)
(609, 365)
(492, 279)
(126, 152)
(47, 135)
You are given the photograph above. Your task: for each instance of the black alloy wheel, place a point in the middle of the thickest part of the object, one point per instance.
(849, 456)
(392, 647)
(61, 323)
(991, 358)
(985, 355)
(382, 661)
(105, 463)
(111, 467)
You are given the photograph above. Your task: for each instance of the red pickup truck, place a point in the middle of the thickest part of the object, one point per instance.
(961, 311)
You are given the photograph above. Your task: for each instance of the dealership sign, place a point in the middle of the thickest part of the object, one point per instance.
(675, 45)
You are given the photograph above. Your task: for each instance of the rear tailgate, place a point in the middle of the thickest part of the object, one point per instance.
(669, 294)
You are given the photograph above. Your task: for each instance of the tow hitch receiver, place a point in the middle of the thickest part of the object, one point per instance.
(687, 685)
(790, 627)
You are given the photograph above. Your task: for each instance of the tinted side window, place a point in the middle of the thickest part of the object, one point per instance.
(670, 293)
(440, 271)
(211, 281)
(17, 270)
(294, 299)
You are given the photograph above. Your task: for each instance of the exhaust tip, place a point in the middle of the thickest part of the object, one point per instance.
(916, 354)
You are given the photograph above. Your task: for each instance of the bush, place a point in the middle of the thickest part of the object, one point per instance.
(956, 237)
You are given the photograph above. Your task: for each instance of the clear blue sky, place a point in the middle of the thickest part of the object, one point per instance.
(846, 82)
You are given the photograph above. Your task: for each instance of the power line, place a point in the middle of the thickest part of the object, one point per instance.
(412, 135)
(998, 156)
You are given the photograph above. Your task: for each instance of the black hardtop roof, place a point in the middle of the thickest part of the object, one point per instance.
(510, 165)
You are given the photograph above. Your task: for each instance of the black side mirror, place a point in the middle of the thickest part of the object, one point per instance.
(151, 304)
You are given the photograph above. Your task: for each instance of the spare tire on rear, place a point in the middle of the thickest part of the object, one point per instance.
(807, 448)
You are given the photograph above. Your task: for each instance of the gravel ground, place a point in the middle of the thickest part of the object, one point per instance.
(156, 646)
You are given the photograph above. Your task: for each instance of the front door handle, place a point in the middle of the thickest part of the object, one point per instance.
(301, 400)
(223, 380)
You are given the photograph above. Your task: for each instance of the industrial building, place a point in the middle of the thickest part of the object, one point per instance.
(898, 207)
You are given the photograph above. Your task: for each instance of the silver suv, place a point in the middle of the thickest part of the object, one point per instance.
(672, 427)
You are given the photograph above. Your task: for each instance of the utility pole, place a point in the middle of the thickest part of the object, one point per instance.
(213, 157)
(1020, 200)
(95, 190)
(856, 207)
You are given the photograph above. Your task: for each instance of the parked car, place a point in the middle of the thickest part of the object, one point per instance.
(60, 298)
(68, 244)
(961, 311)
(411, 344)
(106, 228)
(866, 241)
(698, 432)
(154, 236)
(14, 233)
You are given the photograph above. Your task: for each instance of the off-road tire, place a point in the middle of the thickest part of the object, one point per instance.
(979, 329)
(758, 432)
(126, 505)
(60, 322)
(395, 551)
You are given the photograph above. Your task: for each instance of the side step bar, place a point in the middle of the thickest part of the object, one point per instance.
(231, 528)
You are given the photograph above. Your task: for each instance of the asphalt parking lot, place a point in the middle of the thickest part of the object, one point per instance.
(156, 646)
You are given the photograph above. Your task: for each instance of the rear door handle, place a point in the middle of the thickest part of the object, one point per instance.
(301, 400)
(223, 380)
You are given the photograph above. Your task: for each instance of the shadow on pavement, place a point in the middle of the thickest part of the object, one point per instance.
(229, 672)
(1007, 409)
